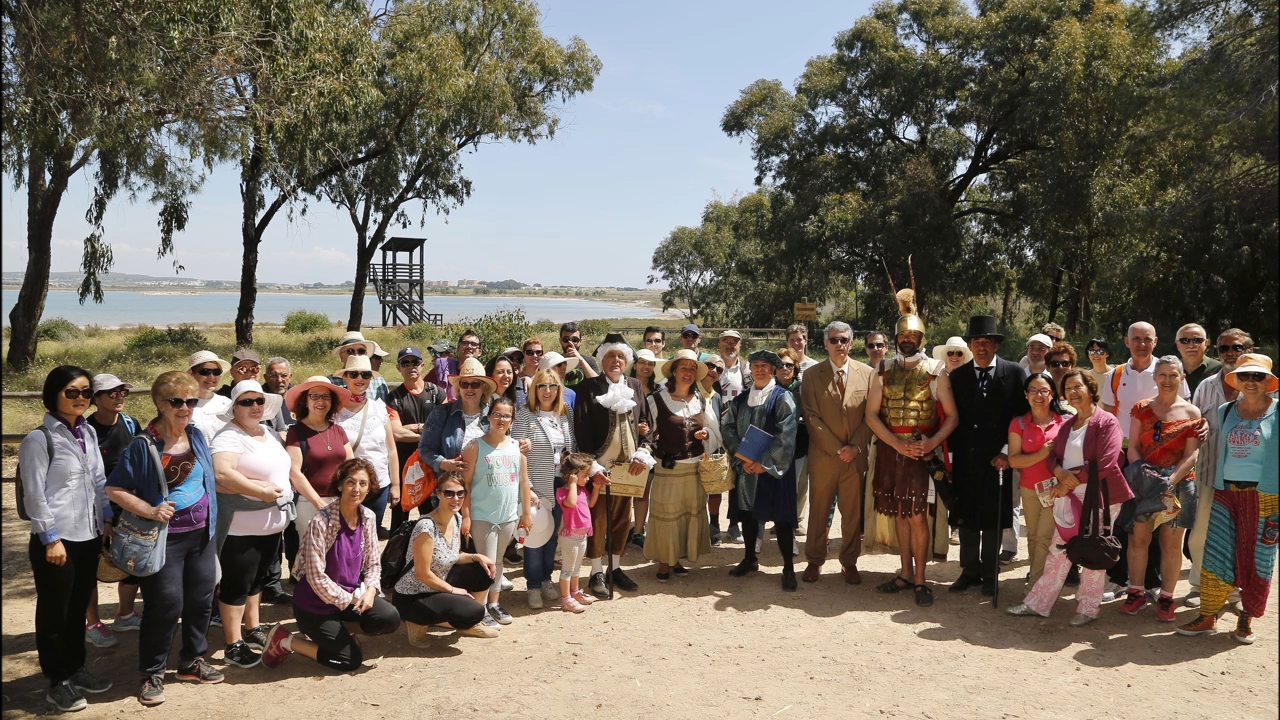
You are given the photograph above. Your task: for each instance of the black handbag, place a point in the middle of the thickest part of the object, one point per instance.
(1094, 547)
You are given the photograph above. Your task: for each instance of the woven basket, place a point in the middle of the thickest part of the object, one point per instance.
(715, 474)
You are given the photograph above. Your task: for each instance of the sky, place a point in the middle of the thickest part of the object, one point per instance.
(633, 159)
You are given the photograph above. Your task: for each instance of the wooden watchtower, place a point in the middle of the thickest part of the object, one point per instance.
(399, 283)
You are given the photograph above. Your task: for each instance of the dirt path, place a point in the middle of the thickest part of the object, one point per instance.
(710, 646)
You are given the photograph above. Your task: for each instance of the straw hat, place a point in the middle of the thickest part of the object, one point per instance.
(661, 372)
(551, 358)
(269, 409)
(291, 397)
(471, 369)
(205, 356)
(1253, 363)
(355, 337)
(358, 363)
(647, 355)
(955, 342)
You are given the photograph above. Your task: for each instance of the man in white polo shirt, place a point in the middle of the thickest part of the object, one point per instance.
(1134, 380)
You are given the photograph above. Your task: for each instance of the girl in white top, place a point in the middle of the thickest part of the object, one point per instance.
(368, 426)
(249, 461)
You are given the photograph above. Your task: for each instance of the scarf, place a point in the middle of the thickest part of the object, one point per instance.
(620, 398)
(760, 396)
(358, 399)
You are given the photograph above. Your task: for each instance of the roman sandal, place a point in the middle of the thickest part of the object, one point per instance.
(896, 585)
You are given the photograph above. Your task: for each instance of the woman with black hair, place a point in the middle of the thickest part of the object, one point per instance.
(503, 373)
(1030, 444)
(61, 476)
(1099, 351)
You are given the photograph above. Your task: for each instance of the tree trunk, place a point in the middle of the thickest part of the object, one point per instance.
(1006, 308)
(250, 237)
(1053, 299)
(364, 256)
(43, 199)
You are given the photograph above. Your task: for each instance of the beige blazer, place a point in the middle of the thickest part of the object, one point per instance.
(832, 420)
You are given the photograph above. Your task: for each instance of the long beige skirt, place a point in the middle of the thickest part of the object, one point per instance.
(678, 526)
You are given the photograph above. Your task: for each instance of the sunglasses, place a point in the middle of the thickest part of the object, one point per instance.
(690, 335)
(951, 353)
(117, 394)
(319, 397)
(1059, 363)
(1157, 427)
(788, 366)
(246, 369)
(250, 402)
(76, 394)
(875, 346)
(1232, 348)
(1097, 351)
(358, 350)
(715, 369)
(533, 353)
(410, 363)
(206, 372)
(1191, 341)
(470, 384)
(353, 374)
(547, 387)
(842, 341)
(1255, 377)
(453, 494)
(577, 339)
(191, 403)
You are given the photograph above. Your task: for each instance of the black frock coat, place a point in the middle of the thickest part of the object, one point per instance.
(981, 435)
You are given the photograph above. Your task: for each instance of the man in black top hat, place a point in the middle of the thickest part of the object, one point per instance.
(988, 393)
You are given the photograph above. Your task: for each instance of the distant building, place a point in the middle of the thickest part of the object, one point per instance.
(464, 283)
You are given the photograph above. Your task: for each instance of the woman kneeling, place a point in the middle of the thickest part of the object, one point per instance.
(341, 571)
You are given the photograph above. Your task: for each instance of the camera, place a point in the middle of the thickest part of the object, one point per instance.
(668, 463)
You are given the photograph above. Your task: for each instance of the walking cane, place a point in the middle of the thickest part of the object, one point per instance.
(995, 596)
(608, 538)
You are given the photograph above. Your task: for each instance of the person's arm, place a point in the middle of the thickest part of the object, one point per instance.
(584, 364)
(570, 496)
(429, 446)
(34, 463)
(393, 466)
(401, 433)
(299, 481)
(1189, 454)
(729, 434)
(232, 482)
(469, 455)
(951, 421)
(1018, 459)
(371, 567)
(311, 557)
(1135, 440)
(526, 493)
(782, 450)
(598, 482)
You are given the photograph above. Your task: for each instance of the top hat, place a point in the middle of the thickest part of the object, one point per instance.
(983, 326)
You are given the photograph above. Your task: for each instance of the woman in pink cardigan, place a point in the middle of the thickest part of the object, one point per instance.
(1095, 437)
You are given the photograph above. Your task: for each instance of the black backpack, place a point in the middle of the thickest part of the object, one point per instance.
(21, 493)
(395, 555)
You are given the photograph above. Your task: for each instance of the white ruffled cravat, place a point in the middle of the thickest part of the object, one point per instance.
(619, 399)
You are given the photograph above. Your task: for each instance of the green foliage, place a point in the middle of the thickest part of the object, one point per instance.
(148, 339)
(301, 322)
(422, 333)
(589, 328)
(318, 347)
(502, 328)
(58, 329)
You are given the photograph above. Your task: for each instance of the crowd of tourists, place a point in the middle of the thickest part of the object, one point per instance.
(567, 459)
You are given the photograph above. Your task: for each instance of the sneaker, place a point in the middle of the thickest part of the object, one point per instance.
(127, 623)
(759, 546)
(1165, 609)
(679, 569)
(795, 550)
(1073, 577)
(498, 613)
(1022, 610)
(152, 690)
(1007, 556)
(484, 629)
(597, 586)
(490, 623)
(100, 635)
(955, 537)
(274, 653)
(1193, 599)
(583, 598)
(1152, 596)
(535, 599)
(241, 655)
(735, 534)
(65, 697)
(715, 537)
(550, 592)
(256, 638)
(506, 585)
(1202, 625)
(570, 604)
(87, 682)
(201, 671)
(1111, 591)
(799, 531)
(1134, 601)
(637, 539)
(1244, 630)
(215, 620)
(1080, 620)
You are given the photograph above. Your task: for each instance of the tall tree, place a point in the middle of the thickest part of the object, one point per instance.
(120, 91)
(690, 261)
(454, 74)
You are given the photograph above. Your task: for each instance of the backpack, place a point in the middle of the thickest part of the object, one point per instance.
(1115, 383)
(395, 555)
(19, 490)
(130, 424)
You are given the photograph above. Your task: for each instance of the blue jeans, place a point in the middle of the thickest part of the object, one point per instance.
(540, 562)
(377, 502)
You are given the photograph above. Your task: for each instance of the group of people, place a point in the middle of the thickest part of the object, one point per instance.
(576, 455)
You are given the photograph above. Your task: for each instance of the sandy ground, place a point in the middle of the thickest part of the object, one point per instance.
(711, 646)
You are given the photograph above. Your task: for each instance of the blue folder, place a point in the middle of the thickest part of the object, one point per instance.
(755, 444)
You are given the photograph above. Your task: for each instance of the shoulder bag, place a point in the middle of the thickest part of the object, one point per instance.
(1094, 547)
(138, 546)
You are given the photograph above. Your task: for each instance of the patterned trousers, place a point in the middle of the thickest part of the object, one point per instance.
(1240, 549)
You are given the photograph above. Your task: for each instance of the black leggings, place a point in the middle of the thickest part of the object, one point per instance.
(246, 565)
(62, 596)
(460, 611)
(751, 530)
(338, 649)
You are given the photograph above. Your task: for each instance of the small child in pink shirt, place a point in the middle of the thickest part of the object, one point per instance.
(575, 526)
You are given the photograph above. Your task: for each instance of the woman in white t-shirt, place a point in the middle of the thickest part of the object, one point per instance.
(249, 461)
(368, 426)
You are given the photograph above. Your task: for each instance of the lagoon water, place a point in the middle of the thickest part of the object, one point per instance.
(171, 308)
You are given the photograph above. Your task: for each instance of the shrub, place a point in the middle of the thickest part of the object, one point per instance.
(317, 348)
(422, 333)
(504, 327)
(184, 337)
(58, 329)
(594, 328)
(302, 322)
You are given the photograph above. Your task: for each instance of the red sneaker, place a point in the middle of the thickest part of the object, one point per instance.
(1135, 600)
(274, 654)
(1164, 609)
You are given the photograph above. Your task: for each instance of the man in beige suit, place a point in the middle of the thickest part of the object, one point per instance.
(834, 395)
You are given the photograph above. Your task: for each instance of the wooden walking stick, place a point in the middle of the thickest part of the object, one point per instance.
(995, 596)
(608, 539)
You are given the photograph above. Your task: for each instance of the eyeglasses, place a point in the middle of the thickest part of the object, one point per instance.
(121, 393)
(1042, 392)
(1232, 348)
(500, 418)
(191, 403)
(469, 343)
(1191, 341)
(319, 397)
(411, 363)
(876, 346)
(788, 366)
(453, 494)
(206, 372)
(358, 350)
(548, 388)
(1097, 351)
(533, 353)
(470, 384)
(1254, 377)
(690, 335)
(76, 394)
(1059, 363)
(353, 374)
(954, 353)
(576, 339)
(841, 340)
(250, 402)
(278, 376)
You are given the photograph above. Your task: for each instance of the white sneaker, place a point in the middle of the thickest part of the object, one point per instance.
(795, 550)
(1193, 599)
(759, 545)
(549, 592)
(1111, 591)
(506, 585)
(535, 599)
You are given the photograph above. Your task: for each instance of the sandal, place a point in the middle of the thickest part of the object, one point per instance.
(924, 596)
(896, 585)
